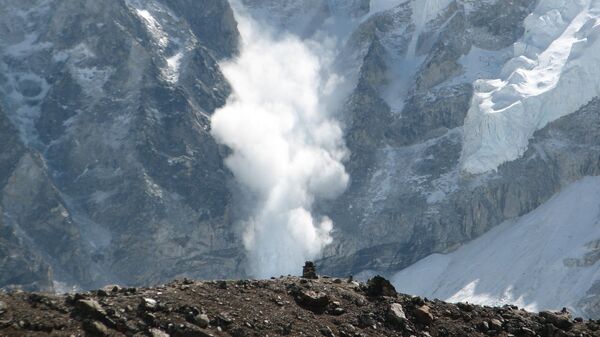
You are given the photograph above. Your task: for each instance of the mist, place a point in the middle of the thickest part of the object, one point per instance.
(287, 150)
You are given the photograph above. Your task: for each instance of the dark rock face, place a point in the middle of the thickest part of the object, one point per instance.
(110, 173)
(212, 22)
(25, 191)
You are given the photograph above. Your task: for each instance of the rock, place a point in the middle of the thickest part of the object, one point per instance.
(326, 331)
(89, 309)
(3, 307)
(149, 304)
(495, 324)
(465, 306)
(314, 301)
(201, 320)
(223, 319)
(187, 330)
(338, 311)
(149, 318)
(309, 271)
(366, 319)
(527, 331)
(112, 288)
(158, 333)
(379, 286)
(396, 314)
(484, 326)
(560, 320)
(423, 314)
(95, 329)
(101, 293)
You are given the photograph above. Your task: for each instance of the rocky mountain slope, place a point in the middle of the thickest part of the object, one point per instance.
(109, 172)
(279, 307)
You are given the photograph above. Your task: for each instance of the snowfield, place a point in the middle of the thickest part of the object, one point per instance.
(546, 259)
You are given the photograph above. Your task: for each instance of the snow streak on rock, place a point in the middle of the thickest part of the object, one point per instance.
(286, 149)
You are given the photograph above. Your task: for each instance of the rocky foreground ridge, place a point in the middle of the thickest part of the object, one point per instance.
(287, 306)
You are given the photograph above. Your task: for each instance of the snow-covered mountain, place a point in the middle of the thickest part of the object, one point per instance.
(462, 121)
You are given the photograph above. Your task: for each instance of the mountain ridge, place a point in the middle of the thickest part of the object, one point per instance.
(318, 306)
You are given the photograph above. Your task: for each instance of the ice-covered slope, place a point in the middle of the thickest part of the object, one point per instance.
(546, 259)
(555, 70)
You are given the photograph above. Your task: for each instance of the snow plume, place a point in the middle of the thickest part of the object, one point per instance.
(287, 150)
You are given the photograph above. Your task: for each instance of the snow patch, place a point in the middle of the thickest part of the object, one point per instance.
(173, 64)
(538, 261)
(28, 46)
(172, 37)
(153, 27)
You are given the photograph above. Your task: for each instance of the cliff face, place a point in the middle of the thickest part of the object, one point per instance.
(108, 171)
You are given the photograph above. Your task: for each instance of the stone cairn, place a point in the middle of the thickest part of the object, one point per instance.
(309, 271)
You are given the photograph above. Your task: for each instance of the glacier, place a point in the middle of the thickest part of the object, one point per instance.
(554, 71)
(543, 260)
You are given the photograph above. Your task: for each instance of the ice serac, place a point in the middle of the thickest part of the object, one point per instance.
(544, 260)
(554, 71)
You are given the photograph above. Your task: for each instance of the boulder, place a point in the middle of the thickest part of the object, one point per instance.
(201, 320)
(396, 314)
(158, 333)
(89, 309)
(314, 301)
(423, 314)
(148, 304)
(379, 286)
(495, 324)
(95, 329)
(560, 320)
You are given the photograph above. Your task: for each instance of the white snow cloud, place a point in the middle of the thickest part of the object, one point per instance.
(287, 150)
